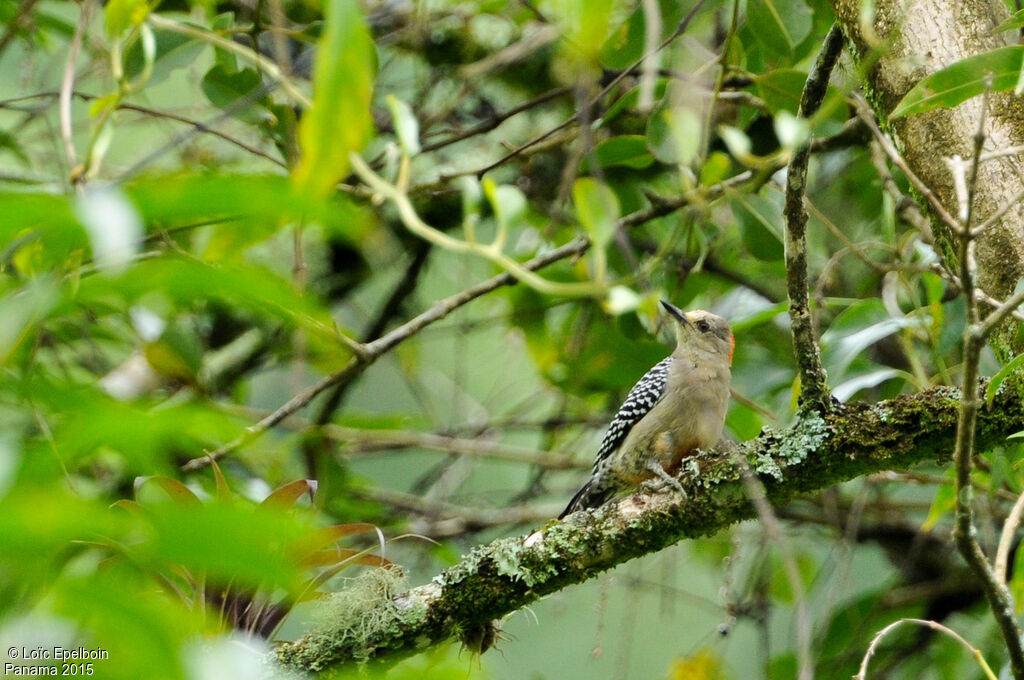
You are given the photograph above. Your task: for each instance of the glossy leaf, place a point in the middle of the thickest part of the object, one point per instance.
(223, 490)
(845, 390)
(780, 25)
(998, 70)
(1016, 20)
(857, 329)
(21, 314)
(760, 224)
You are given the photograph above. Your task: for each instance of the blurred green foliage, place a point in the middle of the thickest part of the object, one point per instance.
(182, 250)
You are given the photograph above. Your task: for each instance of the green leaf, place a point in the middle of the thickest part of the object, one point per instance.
(188, 282)
(119, 15)
(1015, 21)
(177, 353)
(224, 88)
(673, 133)
(626, 43)
(254, 206)
(586, 23)
(780, 25)
(965, 79)
(94, 424)
(407, 128)
(173, 51)
(228, 542)
(858, 327)
(760, 224)
(715, 168)
(628, 151)
(781, 89)
(339, 123)
(597, 209)
(998, 379)
(38, 230)
(942, 504)
(22, 311)
(508, 205)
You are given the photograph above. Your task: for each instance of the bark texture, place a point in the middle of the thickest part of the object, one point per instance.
(907, 41)
(383, 622)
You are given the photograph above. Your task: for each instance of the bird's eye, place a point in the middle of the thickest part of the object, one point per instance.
(703, 326)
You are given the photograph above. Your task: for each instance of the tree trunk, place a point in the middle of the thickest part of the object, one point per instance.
(903, 44)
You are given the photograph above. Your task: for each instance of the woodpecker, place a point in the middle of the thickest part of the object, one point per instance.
(676, 408)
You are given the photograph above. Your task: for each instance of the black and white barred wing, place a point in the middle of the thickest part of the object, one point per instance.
(641, 399)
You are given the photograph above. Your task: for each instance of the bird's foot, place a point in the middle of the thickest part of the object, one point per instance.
(662, 480)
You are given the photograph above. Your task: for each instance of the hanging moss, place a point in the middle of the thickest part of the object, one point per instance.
(374, 620)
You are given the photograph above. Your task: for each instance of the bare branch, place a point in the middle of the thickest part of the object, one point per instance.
(1006, 540)
(494, 580)
(374, 350)
(965, 532)
(14, 23)
(813, 382)
(443, 519)
(585, 108)
(67, 86)
(974, 651)
(865, 113)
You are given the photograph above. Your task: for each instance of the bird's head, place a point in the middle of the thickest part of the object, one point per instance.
(702, 330)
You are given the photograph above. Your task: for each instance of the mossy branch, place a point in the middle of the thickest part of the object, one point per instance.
(502, 577)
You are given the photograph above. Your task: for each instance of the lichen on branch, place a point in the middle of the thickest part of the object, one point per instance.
(499, 578)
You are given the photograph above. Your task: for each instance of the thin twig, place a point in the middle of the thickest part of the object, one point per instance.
(862, 674)
(965, 532)
(67, 86)
(254, 58)
(905, 206)
(448, 519)
(813, 381)
(495, 120)
(680, 29)
(374, 350)
(362, 442)
(998, 214)
(775, 534)
(1006, 540)
(199, 126)
(15, 23)
(865, 114)
(398, 194)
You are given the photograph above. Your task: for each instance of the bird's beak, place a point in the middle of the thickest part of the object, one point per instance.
(675, 311)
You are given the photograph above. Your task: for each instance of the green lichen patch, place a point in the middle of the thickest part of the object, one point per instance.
(356, 621)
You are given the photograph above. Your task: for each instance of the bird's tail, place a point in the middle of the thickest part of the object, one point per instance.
(590, 496)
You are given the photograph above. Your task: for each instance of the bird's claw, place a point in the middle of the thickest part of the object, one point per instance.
(663, 480)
